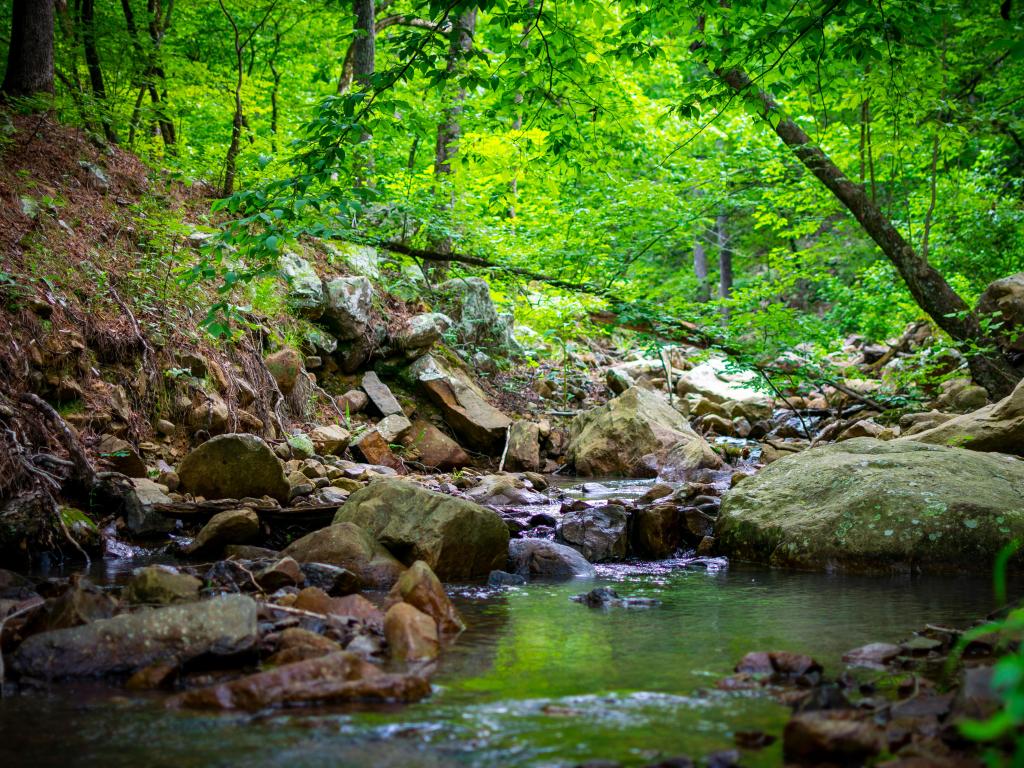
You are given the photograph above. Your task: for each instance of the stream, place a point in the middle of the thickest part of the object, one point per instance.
(536, 680)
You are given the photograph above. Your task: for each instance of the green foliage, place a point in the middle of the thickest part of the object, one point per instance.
(1006, 726)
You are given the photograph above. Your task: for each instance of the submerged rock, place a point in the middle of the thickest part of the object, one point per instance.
(221, 626)
(456, 538)
(606, 597)
(633, 435)
(867, 505)
(542, 559)
(351, 547)
(234, 466)
(336, 677)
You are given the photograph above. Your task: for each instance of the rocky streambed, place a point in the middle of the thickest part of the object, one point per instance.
(535, 678)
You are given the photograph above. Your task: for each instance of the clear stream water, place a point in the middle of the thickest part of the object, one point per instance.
(536, 680)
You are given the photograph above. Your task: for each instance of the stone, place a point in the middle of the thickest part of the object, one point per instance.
(657, 531)
(380, 395)
(350, 547)
(221, 626)
(161, 585)
(300, 446)
(285, 366)
(419, 333)
(120, 456)
(843, 737)
(872, 506)
(297, 644)
(711, 380)
(435, 449)
(210, 413)
(411, 634)
(140, 501)
(456, 538)
(476, 320)
(330, 439)
(353, 401)
(874, 655)
(599, 533)
(618, 380)
(632, 432)
(373, 449)
(915, 423)
(542, 559)
(305, 288)
(523, 446)
(1005, 299)
(334, 580)
(349, 305)
(234, 466)
(420, 588)
(334, 678)
(469, 414)
(504, 491)
(606, 597)
(996, 427)
(393, 428)
(286, 572)
(81, 603)
(232, 526)
(505, 579)
(865, 428)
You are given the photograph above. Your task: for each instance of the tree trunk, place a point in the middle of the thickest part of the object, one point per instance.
(92, 63)
(449, 129)
(159, 21)
(700, 269)
(364, 64)
(724, 263)
(929, 289)
(30, 55)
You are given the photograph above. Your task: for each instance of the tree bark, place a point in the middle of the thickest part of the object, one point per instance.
(449, 130)
(364, 64)
(92, 64)
(30, 55)
(700, 270)
(929, 289)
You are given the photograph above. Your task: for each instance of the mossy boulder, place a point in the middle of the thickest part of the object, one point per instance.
(456, 538)
(870, 506)
(234, 466)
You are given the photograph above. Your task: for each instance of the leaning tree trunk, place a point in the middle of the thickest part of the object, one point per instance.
(449, 129)
(929, 289)
(30, 55)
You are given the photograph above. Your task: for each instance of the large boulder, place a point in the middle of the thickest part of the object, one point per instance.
(285, 366)
(543, 559)
(234, 466)
(173, 635)
(996, 427)
(634, 435)
(418, 334)
(456, 538)
(873, 506)
(351, 547)
(712, 380)
(463, 404)
(599, 533)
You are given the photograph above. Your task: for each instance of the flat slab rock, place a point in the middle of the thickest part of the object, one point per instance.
(336, 677)
(123, 644)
